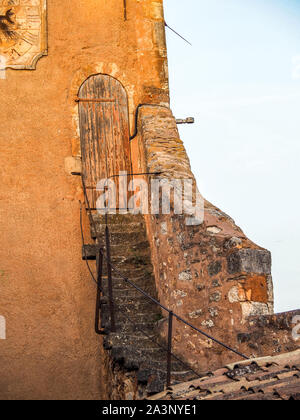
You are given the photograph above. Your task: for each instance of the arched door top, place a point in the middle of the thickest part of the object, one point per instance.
(104, 130)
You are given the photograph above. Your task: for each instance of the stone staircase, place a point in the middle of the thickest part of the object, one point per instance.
(137, 317)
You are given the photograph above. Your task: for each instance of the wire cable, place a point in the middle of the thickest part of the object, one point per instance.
(160, 345)
(177, 34)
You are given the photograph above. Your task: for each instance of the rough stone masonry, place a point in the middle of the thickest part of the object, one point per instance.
(212, 274)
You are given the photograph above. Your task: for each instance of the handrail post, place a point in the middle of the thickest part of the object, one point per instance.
(110, 287)
(99, 289)
(169, 360)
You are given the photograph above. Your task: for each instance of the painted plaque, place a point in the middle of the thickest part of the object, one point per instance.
(23, 33)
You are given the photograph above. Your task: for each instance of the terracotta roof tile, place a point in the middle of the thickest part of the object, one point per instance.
(288, 392)
(267, 378)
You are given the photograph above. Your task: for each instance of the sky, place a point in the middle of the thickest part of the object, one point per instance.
(240, 80)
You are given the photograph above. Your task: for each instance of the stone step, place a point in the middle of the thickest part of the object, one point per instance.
(125, 240)
(161, 364)
(137, 303)
(150, 369)
(119, 224)
(124, 340)
(119, 219)
(136, 260)
(122, 316)
(131, 305)
(130, 299)
(124, 320)
(121, 284)
(128, 238)
(135, 256)
(130, 291)
(124, 254)
(130, 296)
(118, 228)
(153, 358)
(178, 370)
(180, 375)
(139, 306)
(158, 380)
(152, 353)
(129, 346)
(131, 273)
(134, 307)
(129, 328)
(146, 359)
(128, 270)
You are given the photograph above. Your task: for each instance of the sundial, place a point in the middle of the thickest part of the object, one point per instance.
(23, 33)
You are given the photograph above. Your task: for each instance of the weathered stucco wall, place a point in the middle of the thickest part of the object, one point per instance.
(46, 295)
(211, 274)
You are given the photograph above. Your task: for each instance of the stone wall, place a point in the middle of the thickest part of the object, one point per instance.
(121, 384)
(210, 274)
(270, 334)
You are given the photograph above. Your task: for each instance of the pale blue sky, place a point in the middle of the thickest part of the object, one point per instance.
(237, 81)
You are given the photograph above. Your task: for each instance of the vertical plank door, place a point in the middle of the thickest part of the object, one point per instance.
(104, 131)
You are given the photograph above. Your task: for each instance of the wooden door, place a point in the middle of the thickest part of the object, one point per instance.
(104, 132)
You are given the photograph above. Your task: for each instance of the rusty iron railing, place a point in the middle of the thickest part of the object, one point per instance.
(99, 290)
(104, 253)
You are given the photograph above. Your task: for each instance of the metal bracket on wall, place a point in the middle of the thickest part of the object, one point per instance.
(189, 120)
(125, 9)
(95, 100)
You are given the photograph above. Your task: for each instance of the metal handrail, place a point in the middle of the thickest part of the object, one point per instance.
(177, 316)
(110, 267)
(165, 349)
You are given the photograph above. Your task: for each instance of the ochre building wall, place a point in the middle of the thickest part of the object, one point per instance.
(211, 275)
(46, 296)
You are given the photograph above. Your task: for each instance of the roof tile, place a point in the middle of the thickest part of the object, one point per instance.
(267, 378)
